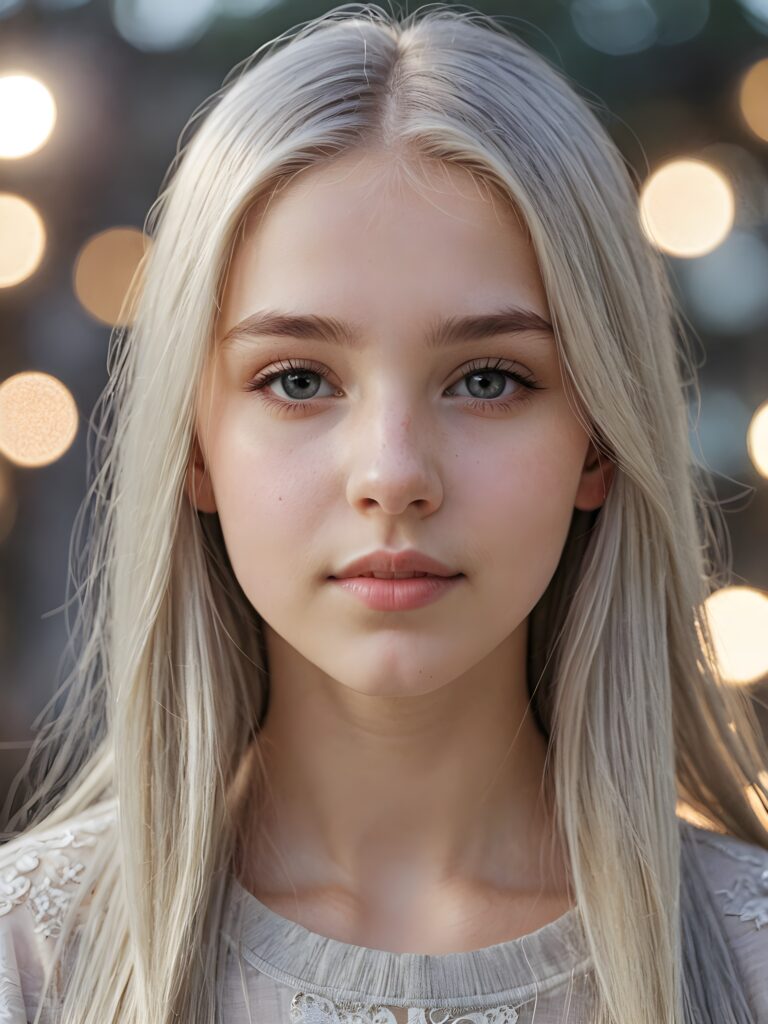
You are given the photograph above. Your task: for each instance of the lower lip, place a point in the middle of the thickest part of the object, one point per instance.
(397, 595)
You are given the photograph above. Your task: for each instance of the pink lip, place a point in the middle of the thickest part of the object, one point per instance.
(397, 595)
(387, 560)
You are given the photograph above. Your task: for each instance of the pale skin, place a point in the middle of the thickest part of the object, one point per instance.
(405, 767)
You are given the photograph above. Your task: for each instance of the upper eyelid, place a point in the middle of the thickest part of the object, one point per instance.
(475, 363)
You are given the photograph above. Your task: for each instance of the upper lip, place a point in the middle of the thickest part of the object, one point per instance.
(394, 561)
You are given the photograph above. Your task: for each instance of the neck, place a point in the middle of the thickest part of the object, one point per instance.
(368, 795)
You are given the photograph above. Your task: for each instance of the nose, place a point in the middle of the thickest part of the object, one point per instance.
(393, 463)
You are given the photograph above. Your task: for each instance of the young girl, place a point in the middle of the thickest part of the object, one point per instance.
(398, 316)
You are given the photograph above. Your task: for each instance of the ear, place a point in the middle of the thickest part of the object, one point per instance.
(596, 479)
(199, 487)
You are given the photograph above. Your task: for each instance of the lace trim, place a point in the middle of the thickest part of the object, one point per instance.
(747, 897)
(47, 893)
(307, 1008)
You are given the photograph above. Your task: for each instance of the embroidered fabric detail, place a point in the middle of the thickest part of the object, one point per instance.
(308, 1008)
(44, 873)
(747, 897)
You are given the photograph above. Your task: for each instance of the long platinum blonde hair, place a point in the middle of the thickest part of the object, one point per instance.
(169, 682)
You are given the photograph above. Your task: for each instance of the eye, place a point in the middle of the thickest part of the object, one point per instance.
(487, 378)
(297, 379)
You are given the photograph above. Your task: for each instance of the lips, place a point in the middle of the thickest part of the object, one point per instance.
(397, 595)
(393, 575)
(395, 564)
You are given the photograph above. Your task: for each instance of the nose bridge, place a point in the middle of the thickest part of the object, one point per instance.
(394, 419)
(394, 447)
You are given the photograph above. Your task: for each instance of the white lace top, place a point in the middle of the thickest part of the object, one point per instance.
(279, 972)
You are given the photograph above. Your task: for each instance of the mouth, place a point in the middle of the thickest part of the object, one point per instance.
(395, 592)
(395, 576)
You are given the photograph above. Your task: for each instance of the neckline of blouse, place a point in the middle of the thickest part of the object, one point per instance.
(510, 972)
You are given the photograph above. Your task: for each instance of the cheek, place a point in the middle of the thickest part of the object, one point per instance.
(519, 506)
(270, 502)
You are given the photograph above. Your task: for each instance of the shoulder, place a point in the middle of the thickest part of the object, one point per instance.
(736, 874)
(41, 872)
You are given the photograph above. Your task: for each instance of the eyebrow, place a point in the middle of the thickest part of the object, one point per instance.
(440, 333)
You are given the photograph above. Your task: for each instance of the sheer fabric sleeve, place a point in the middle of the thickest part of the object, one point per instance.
(39, 875)
(738, 878)
(12, 1007)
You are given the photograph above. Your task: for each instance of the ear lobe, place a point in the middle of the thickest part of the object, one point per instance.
(596, 480)
(198, 483)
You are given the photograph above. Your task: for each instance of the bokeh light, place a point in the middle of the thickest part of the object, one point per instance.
(687, 207)
(753, 98)
(620, 27)
(727, 288)
(738, 621)
(756, 12)
(38, 418)
(27, 115)
(104, 270)
(615, 26)
(170, 25)
(757, 440)
(747, 174)
(22, 239)
(245, 8)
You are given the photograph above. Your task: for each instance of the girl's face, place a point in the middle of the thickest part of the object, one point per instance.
(467, 451)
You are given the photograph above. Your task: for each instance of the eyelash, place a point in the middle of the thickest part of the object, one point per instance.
(527, 381)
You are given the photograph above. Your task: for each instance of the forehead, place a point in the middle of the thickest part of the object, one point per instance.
(384, 189)
(367, 235)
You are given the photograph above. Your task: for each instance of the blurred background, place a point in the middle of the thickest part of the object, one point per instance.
(93, 97)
